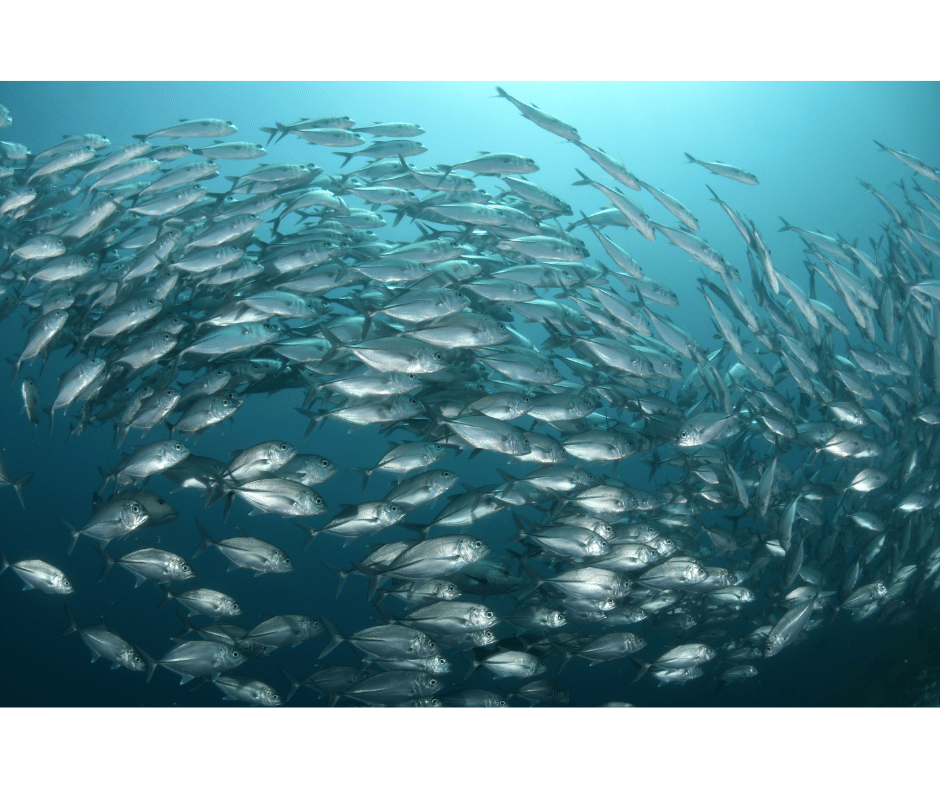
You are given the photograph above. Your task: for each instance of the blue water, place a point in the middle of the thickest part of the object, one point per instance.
(807, 143)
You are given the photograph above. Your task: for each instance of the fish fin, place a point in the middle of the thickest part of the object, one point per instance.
(108, 562)
(206, 539)
(19, 487)
(74, 535)
(151, 665)
(337, 638)
(72, 627)
(294, 685)
(643, 666)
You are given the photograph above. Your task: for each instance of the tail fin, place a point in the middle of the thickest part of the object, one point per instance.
(74, 535)
(337, 638)
(151, 665)
(72, 627)
(186, 625)
(294, 685)
(19, 487)
(643, 666)
(341, 573)
(206, 539)
(108, 562)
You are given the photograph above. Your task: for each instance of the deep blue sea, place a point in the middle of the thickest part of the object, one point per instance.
(808, 143)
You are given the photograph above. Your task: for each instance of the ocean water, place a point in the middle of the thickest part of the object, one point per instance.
(808, 143)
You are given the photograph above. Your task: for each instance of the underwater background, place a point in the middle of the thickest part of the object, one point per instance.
(809, 143)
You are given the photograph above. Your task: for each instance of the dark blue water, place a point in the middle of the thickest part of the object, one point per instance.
(808, 144)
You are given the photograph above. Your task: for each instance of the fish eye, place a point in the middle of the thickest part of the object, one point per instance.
(478, 543)
(235, 654)
(178, 446)
(135, 508)
(161, 502)
(445, 474)
(489, 613)
(283, 447)
(225, 402)
(324, 463)
(185, 567)
(318, 500)
(286, 560)
(67, 584)
(433, 682)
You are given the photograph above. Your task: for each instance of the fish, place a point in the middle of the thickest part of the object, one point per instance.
(725, 170)
(38, 574)
(619, 478)
(104, 643)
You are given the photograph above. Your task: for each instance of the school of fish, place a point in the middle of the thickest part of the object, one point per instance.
(792, 471)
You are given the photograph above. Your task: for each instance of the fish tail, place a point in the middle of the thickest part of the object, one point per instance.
(366, 473)
(19, 487)
(186, 625)
(585, 180)
(206, 539)
(474, 664)
(294, 685)
(342, 576)
(151, 664)
(346, 157)
(167, 596)
(311, 535)
(337, 638)
(229, 498)
(73, 533)
(108, 562)
(691, 159)
(72, 627)
(5, 564)
(643, 666)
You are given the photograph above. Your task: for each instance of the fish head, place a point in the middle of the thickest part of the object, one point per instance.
(423, 647)
(131, 659)
(134, 515)
(437, 665)
(61, 584)
(426, 685)
(447, 591)
(179, 568)
(281, 562)
(230, 657)
(230, 607)
(471, 550)
(483, 637)
(390, 513)
(254, 650)
(268, 697)
(596, 546)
